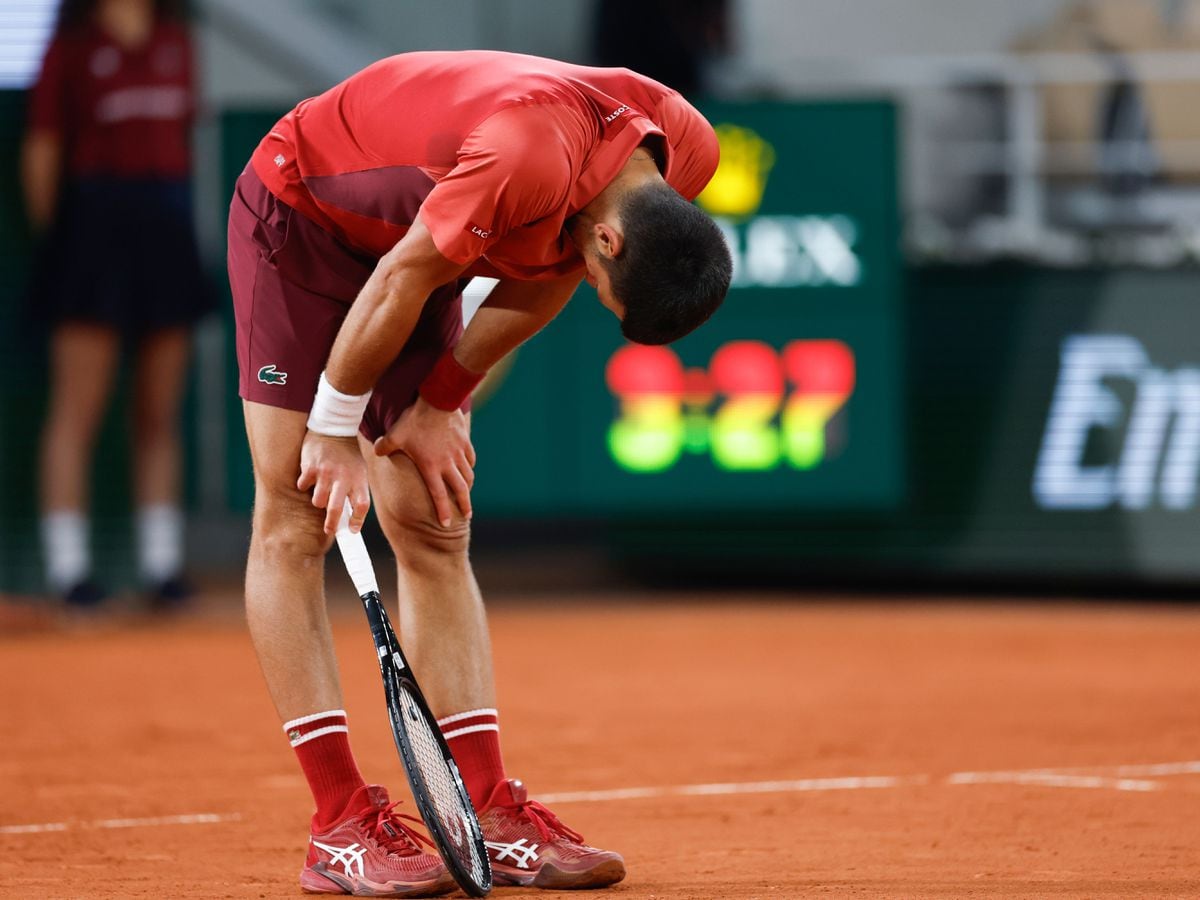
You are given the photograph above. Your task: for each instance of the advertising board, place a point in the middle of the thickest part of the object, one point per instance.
(789, 398)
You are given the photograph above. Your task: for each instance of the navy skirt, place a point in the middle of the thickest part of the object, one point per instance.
(122, 253)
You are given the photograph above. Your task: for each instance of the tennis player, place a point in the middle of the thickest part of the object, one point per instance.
(360, 217)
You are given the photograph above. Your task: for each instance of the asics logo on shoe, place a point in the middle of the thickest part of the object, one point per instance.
(350, 857)
(521, 854)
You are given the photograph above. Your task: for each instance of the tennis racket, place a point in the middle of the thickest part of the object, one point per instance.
(437, 787)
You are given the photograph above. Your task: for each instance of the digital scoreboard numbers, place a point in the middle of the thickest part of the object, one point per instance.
(752, 410)
(789, 398)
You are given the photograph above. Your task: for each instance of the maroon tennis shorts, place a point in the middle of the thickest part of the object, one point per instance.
(293, 283)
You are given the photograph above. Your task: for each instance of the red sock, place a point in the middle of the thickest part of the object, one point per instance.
(322, 744)
(474, 739)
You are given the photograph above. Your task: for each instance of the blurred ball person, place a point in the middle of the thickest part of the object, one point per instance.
(106, 166)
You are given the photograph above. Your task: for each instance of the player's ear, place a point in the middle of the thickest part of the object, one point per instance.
(609, 239)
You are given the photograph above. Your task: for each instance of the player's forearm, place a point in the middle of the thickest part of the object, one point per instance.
(514, 312)
(375, 330)
(383, 316)
(41, 158)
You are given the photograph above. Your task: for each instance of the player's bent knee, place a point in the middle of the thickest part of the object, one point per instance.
(290, 547)
(414, 533)
(407, 514)
(289, 532)
(429, 535)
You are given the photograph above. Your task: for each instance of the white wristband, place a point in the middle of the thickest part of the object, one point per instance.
(336, 414)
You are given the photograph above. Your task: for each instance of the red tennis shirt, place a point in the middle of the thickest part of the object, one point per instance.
(495, 150)
(124, 112)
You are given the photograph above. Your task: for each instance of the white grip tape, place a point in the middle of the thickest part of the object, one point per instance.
(355, 556)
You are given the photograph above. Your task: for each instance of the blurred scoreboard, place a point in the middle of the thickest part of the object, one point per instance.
(789, 398)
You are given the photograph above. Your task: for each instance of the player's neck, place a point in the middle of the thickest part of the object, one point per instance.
(638, 170)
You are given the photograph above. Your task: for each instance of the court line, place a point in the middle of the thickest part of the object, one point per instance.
(1187, 767)
(150, 821)
(1191, 767)
(33, 829)
(725, 788)
(1064, 777)
(1053, 779)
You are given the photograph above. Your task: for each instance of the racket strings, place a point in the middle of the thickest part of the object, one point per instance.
(391, 832)
(445, 791)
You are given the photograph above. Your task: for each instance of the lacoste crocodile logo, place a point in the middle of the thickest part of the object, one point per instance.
(268, 375)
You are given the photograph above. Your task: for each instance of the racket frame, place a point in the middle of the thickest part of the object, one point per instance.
(396, 673)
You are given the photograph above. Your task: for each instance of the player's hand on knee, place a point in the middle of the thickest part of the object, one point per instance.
(439, 444)
(334, 470)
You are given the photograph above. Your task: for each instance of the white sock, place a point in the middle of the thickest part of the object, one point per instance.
(65, 546)
(159, 542)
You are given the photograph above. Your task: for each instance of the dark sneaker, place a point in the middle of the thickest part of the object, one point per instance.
(371, 852)
(528, 845)
(173, 593)
(85, 595)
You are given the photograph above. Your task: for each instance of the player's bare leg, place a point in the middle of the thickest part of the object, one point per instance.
(285, 609)
(444, 631)
(83, 364)
(443, 625)
(285, 572)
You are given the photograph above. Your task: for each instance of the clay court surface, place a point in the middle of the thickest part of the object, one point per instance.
(733, 747)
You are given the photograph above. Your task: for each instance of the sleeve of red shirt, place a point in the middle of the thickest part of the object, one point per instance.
(694, 147)
(47, 100)
(514, 168)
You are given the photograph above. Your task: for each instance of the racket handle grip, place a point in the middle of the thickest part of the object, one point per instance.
(356, 558)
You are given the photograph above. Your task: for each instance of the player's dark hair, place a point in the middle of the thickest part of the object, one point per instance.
(674, 267)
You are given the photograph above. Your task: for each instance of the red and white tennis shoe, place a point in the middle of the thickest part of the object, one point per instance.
(528, 845)
(371, 852)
